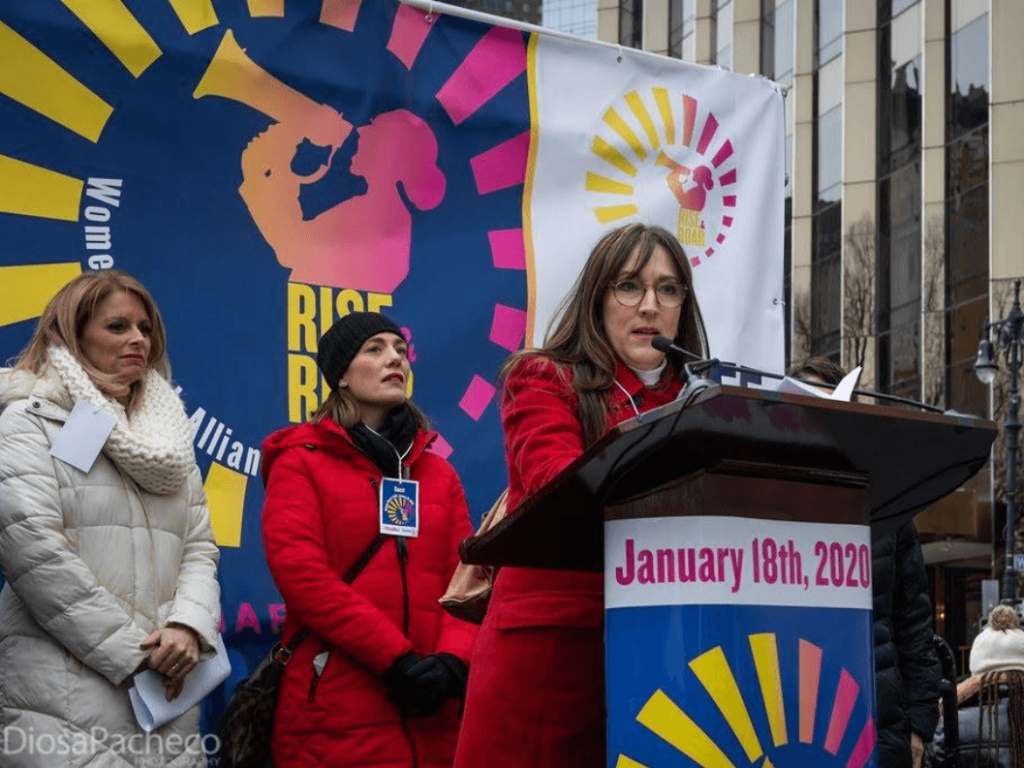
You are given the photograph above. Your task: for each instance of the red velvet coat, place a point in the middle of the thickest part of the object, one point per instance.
(319, 517)
(536, 687)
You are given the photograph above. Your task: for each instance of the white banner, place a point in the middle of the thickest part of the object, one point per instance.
(623, 136)
(736, 561)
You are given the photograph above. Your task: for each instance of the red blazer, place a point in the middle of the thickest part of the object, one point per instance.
(542, 437)
(319, 516)
(543, 630)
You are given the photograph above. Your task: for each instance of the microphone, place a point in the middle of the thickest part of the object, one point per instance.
(693, 382)
(666, 345)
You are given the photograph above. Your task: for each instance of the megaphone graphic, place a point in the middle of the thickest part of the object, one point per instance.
(231, 74)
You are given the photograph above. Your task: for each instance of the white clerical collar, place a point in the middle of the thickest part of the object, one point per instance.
(649, 378)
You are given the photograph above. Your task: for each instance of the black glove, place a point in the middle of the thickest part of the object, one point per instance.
(459, 672)
(397, 678)
(434, 680)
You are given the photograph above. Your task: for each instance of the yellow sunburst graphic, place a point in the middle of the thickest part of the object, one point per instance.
(668, 719)
(634, 132)
(32, 77)
(655, 149)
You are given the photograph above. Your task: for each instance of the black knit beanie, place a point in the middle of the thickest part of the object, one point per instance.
(342, 341)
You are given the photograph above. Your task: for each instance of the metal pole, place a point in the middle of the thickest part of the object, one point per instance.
(1011, 337)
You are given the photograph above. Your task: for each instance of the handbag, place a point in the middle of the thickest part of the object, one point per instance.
(469, 591)
(246, 727)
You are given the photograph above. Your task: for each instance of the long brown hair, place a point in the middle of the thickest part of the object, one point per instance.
(577, 338)
(65, 317)
(343, 408)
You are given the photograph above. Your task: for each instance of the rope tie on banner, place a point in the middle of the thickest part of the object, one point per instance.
(429, 18)
(619, 57)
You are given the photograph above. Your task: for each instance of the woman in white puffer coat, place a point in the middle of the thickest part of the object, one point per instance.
(108, 571)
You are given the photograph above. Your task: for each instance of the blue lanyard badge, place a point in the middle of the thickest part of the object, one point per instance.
(399, 507)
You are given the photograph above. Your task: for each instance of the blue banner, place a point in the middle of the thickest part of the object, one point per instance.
(232, 156)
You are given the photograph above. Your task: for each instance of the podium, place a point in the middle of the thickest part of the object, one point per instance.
(734, 535)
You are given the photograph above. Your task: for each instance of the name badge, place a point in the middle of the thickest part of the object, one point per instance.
(399, 507)
(81, 438)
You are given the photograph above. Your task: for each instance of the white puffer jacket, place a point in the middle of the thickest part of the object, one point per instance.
(93, 565)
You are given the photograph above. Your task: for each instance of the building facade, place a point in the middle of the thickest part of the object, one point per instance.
(905, 158)
(520, 10)
(577, 17)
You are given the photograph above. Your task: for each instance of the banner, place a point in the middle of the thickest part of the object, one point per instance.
(267, 167)
(622, 135)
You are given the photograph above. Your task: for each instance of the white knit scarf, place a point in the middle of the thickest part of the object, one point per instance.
(153, 444)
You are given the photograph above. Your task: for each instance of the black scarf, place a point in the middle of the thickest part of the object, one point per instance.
(389, 442)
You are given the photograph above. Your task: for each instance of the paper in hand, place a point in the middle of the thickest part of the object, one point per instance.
(149, 699)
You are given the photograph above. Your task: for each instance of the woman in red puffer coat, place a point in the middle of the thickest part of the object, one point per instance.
(536, 690)
(378, 680)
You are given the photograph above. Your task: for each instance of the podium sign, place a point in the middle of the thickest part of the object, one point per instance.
(735, 642)
(738, 627)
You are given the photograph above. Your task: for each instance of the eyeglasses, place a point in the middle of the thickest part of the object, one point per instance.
(668, 294)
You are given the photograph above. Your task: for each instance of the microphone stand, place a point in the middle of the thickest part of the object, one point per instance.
(864, 392)
(695, 383)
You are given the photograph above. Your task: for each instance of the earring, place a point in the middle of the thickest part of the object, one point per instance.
(343, 384)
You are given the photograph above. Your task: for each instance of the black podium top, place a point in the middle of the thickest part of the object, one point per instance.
(910, 460)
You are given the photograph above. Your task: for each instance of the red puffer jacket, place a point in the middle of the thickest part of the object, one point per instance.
(319, 516)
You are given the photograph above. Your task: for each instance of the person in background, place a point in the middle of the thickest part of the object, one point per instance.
(378, 679)
(536, 687)
(991, 701)
(906, 666)
(110, 567)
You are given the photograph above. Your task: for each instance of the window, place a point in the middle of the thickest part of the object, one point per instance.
(675, 28)
(784, 42)
(723, 33)
(898, 281)
(830, 154)
(967, 211)
(768, 38)
(826, 222)
(898, 309)
(830, 30)
(969, 78)
(631, 23)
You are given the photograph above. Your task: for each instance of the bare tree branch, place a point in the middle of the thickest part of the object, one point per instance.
(859, 292)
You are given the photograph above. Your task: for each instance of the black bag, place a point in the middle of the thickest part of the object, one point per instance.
(246, 727)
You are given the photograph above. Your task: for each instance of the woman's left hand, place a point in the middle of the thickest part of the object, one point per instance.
(175, 651)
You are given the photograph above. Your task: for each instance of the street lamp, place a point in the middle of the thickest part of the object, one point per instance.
(1007, 333)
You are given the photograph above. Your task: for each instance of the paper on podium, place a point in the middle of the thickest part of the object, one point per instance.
(842, 391)
(149, 700)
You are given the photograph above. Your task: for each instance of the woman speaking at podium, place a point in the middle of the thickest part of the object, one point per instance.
(536, 686)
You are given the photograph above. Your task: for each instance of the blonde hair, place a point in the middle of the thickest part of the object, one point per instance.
(65, 317)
